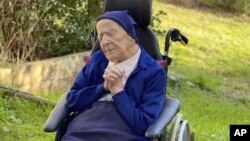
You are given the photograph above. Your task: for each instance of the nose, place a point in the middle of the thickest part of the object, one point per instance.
(105, 40)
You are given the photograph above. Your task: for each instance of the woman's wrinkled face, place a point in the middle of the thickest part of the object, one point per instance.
(114, 40)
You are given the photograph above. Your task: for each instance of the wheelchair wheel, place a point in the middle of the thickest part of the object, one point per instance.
(175, 127)
(180, 130)
(185, 134)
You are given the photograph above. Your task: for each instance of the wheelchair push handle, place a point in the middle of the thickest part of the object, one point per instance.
(174, 35)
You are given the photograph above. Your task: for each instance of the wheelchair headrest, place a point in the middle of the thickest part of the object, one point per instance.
(140, 9)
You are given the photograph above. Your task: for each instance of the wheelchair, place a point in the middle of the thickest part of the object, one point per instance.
(60, 116)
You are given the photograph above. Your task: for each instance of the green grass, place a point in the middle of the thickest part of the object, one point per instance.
(217, 57)
(212, 71)
(209, 114)
(22, 120)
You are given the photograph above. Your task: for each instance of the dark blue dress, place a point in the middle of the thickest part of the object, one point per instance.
(102, 122)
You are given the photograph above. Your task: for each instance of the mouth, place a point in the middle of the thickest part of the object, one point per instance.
(109, 51)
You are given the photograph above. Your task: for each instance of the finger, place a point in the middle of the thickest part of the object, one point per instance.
(110, 85)
(114, 67)
(107, 69)
(109, 77)
(105, 76)
(116, 70)
(106, 85)
(113, 75)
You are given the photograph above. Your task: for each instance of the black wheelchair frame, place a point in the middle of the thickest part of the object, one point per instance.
(179, 130)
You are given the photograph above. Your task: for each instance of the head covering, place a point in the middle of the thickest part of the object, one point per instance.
(124, 19)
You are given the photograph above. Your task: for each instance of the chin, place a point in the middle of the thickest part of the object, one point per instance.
(110, 58)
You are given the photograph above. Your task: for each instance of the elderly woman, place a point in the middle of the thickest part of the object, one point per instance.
(121, 91)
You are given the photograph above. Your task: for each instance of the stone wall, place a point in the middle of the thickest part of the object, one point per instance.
(51, 75)
(5, 76)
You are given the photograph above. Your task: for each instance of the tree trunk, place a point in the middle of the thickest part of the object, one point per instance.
(31, 97)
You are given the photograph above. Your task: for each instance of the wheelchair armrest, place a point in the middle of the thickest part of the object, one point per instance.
(57, 116)
(171, 108)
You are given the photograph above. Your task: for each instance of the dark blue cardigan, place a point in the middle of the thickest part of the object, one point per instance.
(142, 99)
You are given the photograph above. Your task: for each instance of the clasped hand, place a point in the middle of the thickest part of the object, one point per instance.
(113, 79)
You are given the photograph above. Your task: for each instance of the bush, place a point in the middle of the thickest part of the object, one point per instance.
(72, 25)
(156, 21)
(242, 6)
(41, 29)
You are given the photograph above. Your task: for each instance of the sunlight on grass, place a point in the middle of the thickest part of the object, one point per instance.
(217, 64)
(209, 115)
(52, 96)
(22, 120)
(218, 45)
(212, 71)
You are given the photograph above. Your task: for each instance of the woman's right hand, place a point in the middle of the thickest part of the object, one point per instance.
(113, 77)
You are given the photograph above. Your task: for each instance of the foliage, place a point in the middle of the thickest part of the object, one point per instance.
(72, 24)
(17, 122)
(41, 29)
(232, 5)
(19, 25)
(241, 6)
(212, 74)
(157, 18)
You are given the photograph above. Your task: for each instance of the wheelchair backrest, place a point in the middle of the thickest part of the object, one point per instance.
(141, 12)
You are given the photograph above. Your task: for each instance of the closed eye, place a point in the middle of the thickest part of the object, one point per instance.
(99, 37)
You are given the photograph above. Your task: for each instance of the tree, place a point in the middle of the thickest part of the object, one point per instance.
(45, 28)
